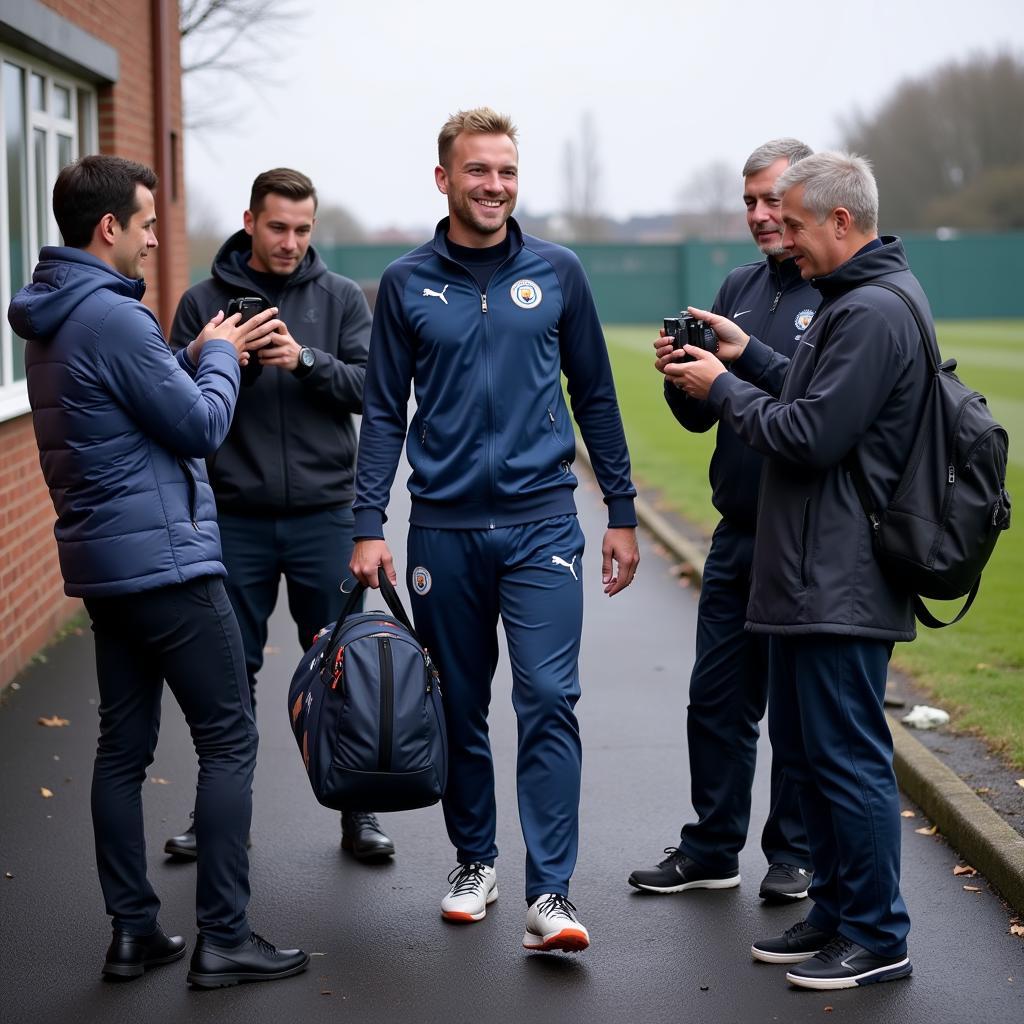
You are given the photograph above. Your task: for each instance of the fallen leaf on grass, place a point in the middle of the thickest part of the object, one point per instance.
(158, 781)
(982, 790)
(907, 814)
(929, 831)
(964, 869)
(982, 665)
(1020, 782)
(55, 722)
(1015, 929)
(972, 888)
(45, 793)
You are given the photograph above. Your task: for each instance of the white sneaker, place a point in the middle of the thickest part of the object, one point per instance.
(551, 923)
(473, 887)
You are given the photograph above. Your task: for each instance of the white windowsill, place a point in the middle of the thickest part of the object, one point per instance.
(13, 401)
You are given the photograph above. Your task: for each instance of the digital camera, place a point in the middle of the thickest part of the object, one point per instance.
(688, 330)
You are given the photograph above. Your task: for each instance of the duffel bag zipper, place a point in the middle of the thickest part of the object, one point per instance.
(387, 705)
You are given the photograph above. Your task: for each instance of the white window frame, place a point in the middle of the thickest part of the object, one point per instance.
(13, 393)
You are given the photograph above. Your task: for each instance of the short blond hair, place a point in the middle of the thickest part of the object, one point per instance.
(478, 121)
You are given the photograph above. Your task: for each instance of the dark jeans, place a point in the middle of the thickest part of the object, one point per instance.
(311, 551)
(187, 635)
(728, 695)
(828, 727)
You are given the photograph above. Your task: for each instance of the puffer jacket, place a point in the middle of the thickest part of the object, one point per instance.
(122, 428)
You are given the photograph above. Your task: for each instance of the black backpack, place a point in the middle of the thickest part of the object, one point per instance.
(950, 505)
(365, 708)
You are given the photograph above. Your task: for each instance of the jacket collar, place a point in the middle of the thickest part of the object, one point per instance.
(888, 258)
(440, 243)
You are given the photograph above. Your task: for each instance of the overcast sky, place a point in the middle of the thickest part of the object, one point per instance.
(362, 89)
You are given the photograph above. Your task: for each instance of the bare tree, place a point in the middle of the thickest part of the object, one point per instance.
(226, 38)
(712, 192)
(582, 184)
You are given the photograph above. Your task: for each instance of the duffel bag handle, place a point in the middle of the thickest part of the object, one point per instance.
(391, 599)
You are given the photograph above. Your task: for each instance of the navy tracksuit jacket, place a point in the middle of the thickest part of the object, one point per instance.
(493, 524)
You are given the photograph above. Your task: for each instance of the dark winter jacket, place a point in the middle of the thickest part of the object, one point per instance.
(121, 428)
(772, 301)
(292, 445)
(857, 381)
(491, 443)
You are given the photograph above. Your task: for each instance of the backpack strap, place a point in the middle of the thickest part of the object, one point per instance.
(852, 463)
(926, 617)
(860, 484)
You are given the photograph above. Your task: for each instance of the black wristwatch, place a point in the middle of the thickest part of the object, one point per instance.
(307, 360)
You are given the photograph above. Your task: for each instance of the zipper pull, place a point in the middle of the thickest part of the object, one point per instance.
(551, 416)
(775, 302)
(483, 303)
(951, 475)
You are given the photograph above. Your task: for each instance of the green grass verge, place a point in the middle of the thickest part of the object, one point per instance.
(974, 669)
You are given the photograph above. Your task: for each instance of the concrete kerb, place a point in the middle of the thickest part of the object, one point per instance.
(981, 837)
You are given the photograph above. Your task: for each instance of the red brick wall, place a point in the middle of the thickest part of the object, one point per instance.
(32, 601)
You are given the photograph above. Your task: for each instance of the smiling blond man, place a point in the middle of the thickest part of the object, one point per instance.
(482, 320)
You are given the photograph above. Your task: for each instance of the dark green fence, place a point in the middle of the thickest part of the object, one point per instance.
(972, 276)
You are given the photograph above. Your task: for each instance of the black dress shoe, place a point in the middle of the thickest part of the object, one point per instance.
(184, 847)
(253, 960)
(130, 955)
(363, 837)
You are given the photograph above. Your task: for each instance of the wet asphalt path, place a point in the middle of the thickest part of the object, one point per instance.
(383, 953)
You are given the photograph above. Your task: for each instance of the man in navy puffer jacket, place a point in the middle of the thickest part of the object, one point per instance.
(122, 428)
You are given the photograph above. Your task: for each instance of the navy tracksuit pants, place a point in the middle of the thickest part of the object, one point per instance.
(828, 728)
(531, 575)
(728, 694)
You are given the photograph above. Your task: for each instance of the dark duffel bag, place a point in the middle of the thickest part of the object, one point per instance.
(365, 708)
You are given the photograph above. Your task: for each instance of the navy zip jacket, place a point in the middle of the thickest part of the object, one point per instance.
(857, 382)
(491, 443)
(121, 428)
(292, 445)
(771, 300)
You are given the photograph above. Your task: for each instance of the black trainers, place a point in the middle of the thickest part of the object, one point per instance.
(841, 963)
(784, 882)
(677, 873)
(362, 836)
(794, 945)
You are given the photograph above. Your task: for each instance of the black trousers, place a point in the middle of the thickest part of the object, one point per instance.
(186, 634)
(728, 696)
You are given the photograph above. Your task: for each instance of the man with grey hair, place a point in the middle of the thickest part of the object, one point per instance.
(854, 389)
(729, 682)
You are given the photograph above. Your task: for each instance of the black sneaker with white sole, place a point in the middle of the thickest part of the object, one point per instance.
(793, 946)
(784, 882)
(842, 963)
(677, 873)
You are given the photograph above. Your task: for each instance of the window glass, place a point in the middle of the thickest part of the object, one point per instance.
(39, 159)
(38, 92)
(46, 120)
(62, 102)
(65, 151)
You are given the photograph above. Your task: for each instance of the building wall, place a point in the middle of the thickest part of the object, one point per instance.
(32, 601)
